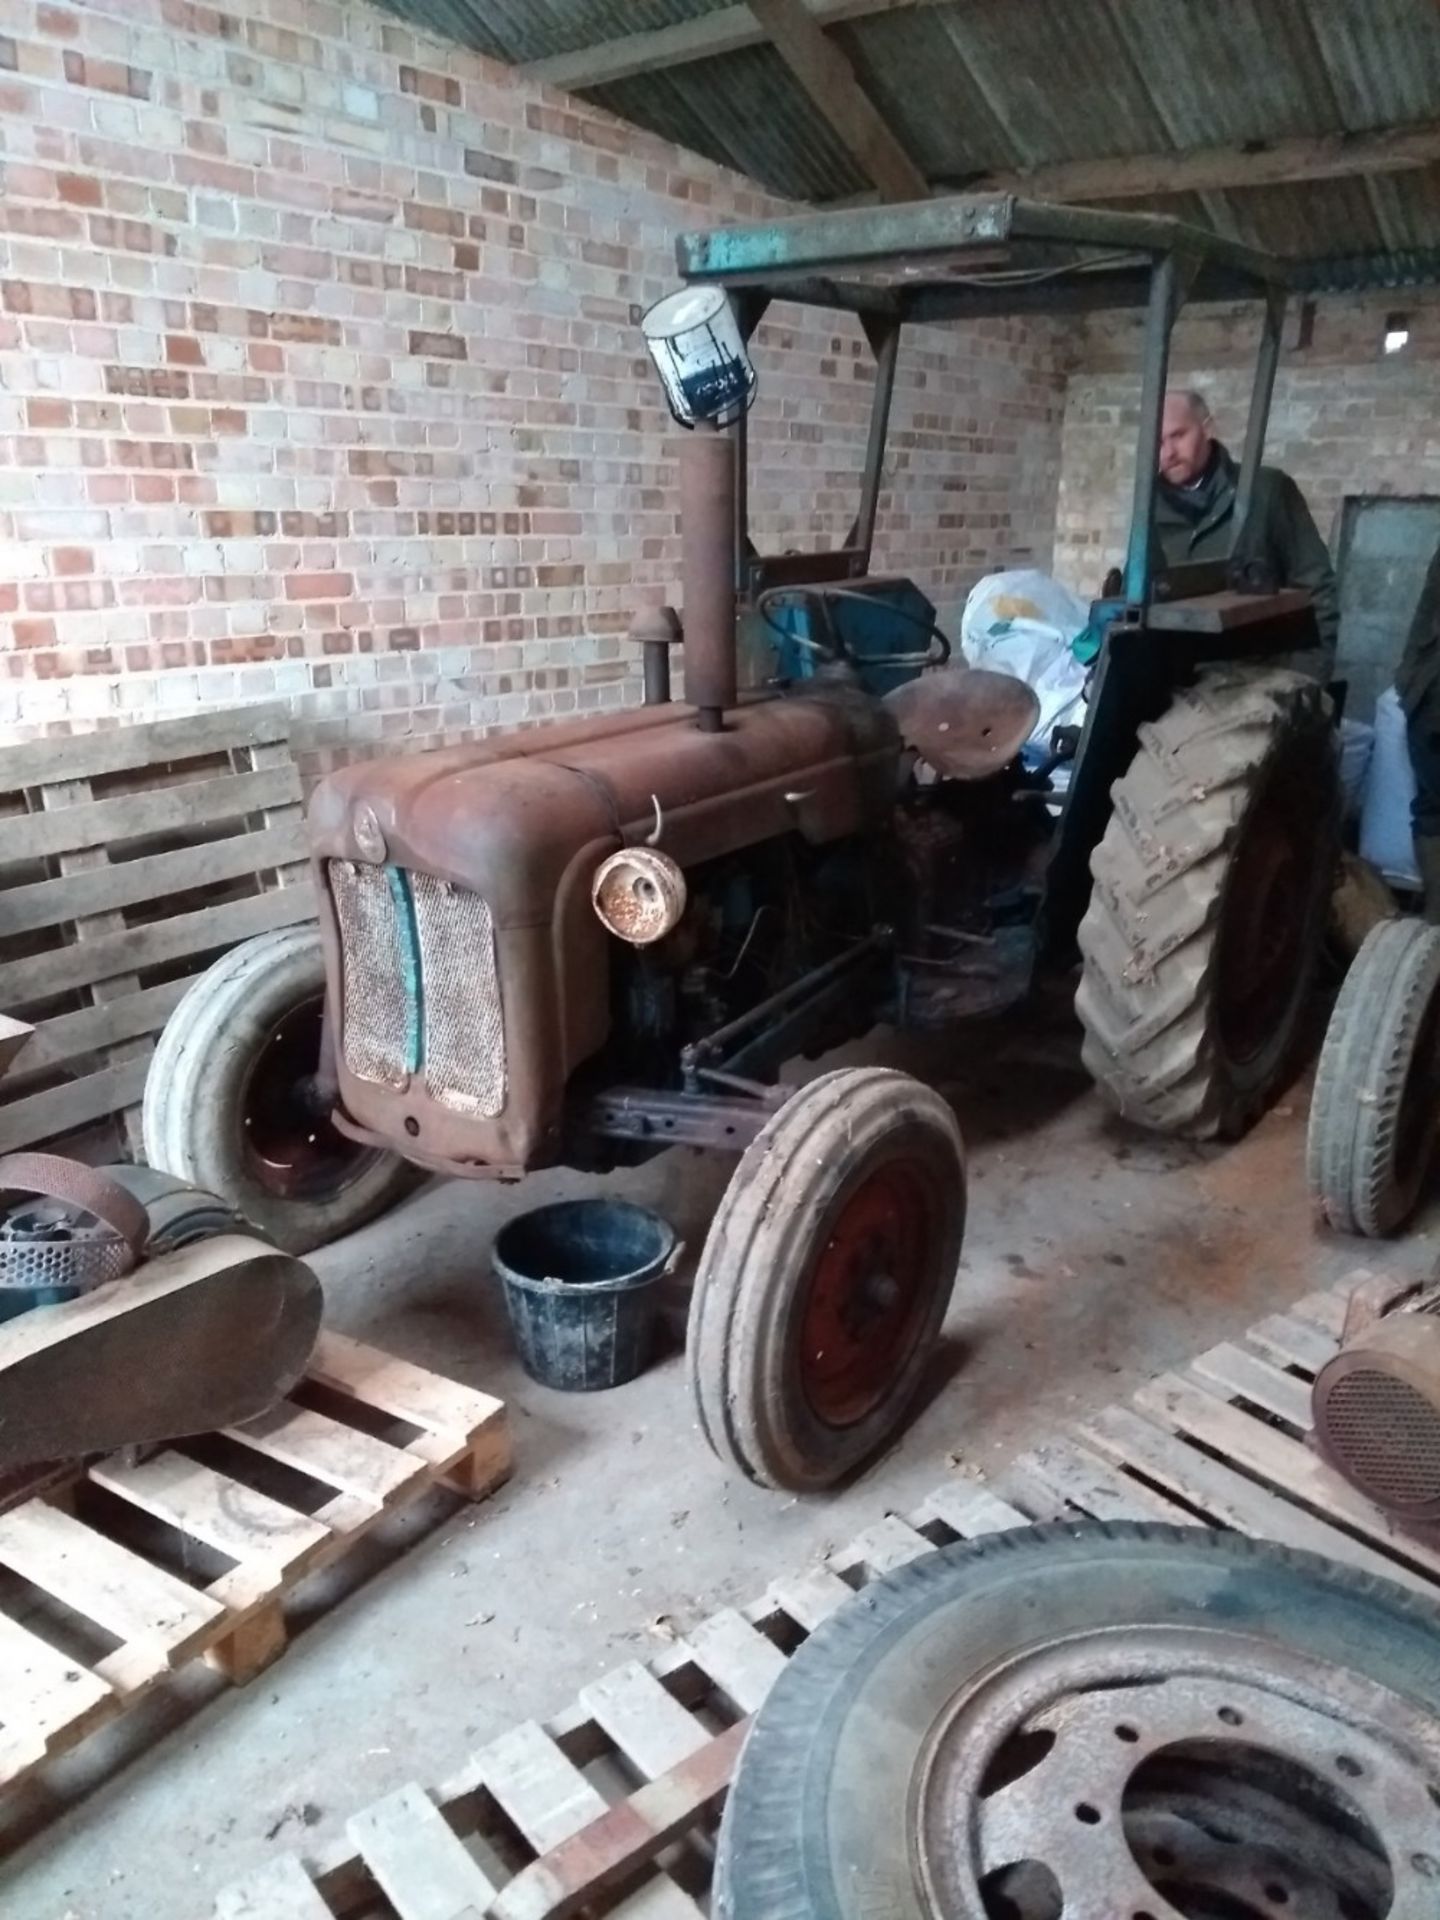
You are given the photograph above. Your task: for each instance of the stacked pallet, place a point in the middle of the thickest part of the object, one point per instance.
(129, 859)
(549, 1821)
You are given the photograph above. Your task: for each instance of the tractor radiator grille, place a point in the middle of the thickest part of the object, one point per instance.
(377, 1026)
(464, 1035)
(420, 984)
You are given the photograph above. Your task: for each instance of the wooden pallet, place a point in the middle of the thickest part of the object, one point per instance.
(613, 1806)
(129, 859)
(134, 1569)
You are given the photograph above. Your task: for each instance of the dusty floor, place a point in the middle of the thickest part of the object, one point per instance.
(1094, 1258)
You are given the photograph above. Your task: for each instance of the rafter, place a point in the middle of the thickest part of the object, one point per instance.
(726, 30)
(828, 78)
(1223, 169)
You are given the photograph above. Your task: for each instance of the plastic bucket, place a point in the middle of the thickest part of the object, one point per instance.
(579, 1280)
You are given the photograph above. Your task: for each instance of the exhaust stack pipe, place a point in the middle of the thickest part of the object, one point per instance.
(707, 535)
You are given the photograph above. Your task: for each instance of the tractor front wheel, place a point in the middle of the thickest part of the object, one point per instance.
(825, 1277)
(1209, 900)
(230, 1104)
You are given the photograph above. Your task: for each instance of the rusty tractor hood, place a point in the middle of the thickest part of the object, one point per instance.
(507, 818)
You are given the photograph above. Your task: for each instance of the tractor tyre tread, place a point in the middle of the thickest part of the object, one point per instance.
(1150, 937)
(759, 1249)
(1357, 1110)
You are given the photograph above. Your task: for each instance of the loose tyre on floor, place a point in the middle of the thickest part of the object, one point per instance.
(825, 1277)
(230, 1106)
(179, 1214)
(1104, 1722)
(1375, 1111)
(1208, 909)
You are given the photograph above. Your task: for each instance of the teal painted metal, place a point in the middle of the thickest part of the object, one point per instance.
(837, 239)
(410, 978)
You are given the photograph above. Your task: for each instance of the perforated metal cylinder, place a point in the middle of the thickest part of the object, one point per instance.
(1377, 1414)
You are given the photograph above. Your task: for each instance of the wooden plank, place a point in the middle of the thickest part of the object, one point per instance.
(104, 889)
(394, 1386)
(1237, 1374)
(1230, 1499)
(280, 1890)
(1223, 168)
(423, 1870)
(1292, 1342)
(826, 75)
(648, 1725)
(134, 948)
(14, 1035)
(725, 30)
(1284, 1463)
(224, 1514)
(354, 1463)
(972, 1511)
(127, 816)
(44, 1116)
(542, 1792)
(85, 756)
(740, 1660)
(43, 1691)
(880, 1549)
(811, 1597)
(70, 1035)
(105, 1582)
(574, 1876)
(1078, 1478)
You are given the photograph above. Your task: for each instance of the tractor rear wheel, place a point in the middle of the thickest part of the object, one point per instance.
(1375, 1111)
(229, 1099)
(825, 1277)
(1208, 907)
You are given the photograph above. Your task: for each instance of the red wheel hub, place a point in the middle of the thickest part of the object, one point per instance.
(291, 1148)
(866, 1299)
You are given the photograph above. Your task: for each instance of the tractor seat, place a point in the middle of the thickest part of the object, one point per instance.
(968, 722)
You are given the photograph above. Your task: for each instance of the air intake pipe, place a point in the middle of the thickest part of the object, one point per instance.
(707, 540)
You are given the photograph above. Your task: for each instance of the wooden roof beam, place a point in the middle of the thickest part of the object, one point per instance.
(829, 79)
(726, 30)
(1337, 156)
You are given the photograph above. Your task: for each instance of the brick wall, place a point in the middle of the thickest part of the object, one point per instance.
(1346, 419)
(320, 375)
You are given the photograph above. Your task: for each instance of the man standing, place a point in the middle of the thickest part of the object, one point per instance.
(1418, 684)
(1195, 515)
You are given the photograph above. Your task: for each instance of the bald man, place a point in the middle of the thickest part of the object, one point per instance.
(1195, 513)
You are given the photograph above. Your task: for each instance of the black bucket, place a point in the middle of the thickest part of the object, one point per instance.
(579, 1282)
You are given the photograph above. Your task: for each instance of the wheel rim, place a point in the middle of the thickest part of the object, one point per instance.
(1266, 916)
(1169, 1772)
(291, 1151)
(865, 1300)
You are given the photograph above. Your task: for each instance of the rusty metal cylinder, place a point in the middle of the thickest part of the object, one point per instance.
(707, 533)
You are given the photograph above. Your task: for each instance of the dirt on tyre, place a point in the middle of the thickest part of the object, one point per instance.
(1208, 908)
(825, 1278)
(1375, 1111)
(230, 1104)
(1110, 1722)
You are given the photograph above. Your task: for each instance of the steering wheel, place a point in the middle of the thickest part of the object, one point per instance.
(833, 647)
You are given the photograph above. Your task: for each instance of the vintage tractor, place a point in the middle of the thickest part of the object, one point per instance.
(584, 943)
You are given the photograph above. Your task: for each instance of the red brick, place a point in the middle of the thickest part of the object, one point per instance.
(183, 350)
(437, 346)
(34, 633)
(318, 586)
(73, 560)
(430, 86)
(59, 24)
(79, 189)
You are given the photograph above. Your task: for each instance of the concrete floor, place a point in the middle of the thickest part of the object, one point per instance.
(1094, 1258)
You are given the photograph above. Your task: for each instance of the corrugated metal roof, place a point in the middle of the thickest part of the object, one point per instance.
(977, 86)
